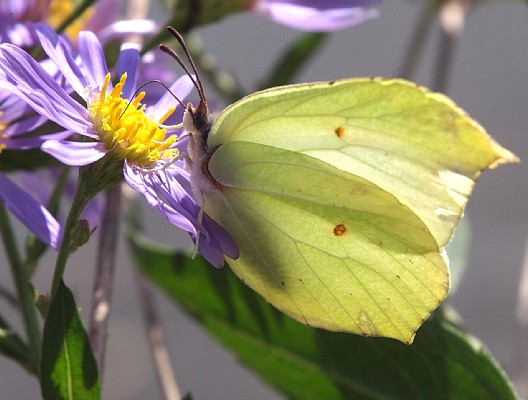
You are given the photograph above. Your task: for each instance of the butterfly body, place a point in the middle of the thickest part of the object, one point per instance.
(197, 122)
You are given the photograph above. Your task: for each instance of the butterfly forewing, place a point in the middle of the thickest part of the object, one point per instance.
(414, 144)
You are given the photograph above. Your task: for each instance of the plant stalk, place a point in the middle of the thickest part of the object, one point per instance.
(25, 293)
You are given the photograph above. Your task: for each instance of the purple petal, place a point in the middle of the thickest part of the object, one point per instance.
(181, 89)
(325, 5)
(128, 62)
(32, 214)
(163, 190)
(218, 244)
(137, 182)
(124, 28)
(12, 107)
(22, 126)
(26, 79)
(314, 19)
(33, 142)
(61, 55)
(153, 186)
(93, 59)
(74, 153)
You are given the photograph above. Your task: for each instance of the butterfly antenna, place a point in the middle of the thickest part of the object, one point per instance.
(147, 83)
(196, 81)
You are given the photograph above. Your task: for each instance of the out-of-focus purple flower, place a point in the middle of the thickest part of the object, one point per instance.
(18, 17)
(18, 120)
(116, 125)
(30, 212)
(315, 15)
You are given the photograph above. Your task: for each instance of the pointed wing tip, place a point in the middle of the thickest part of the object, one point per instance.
(505, 157)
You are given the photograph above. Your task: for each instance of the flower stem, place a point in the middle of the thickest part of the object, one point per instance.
(23, 288)
(419, 37)
(452, 15)
(156, 339)
(81, 198)
(9, 297)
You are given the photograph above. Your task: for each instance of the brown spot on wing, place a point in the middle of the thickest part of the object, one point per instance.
(340, 230)
(339, 131)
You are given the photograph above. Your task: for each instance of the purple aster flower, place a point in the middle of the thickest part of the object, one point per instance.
(30, 212)
(115, 125)
(315, 15)
(18, 121)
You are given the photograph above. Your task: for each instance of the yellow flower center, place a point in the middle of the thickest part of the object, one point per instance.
(59, 10)
(127, 132)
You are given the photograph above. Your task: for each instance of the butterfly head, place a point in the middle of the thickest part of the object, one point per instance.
(196, 119)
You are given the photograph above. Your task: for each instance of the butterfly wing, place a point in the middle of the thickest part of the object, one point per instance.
(341, 197)
(415, 144)
(326, 247)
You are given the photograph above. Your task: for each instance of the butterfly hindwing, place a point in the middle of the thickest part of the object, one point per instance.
(324, 246)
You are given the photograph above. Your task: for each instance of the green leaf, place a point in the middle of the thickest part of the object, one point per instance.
(306, 363)
(68, 369)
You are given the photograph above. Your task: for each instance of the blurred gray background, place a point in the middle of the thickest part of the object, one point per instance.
(489, 80)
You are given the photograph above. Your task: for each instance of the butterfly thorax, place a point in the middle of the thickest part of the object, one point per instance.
(197, 121)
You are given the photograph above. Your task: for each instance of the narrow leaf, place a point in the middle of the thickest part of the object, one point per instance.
(68, 369)
(12, 346)
(306, 363)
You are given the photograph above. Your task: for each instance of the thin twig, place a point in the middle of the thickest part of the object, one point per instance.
(25, 294)
(418, 39)
(156, 339)
(104, 275)
(452, 15)
(76, 13)
(9, 297)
